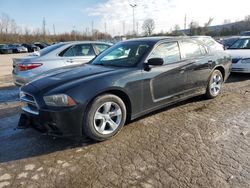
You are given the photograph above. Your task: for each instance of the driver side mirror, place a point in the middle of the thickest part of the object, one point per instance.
(155, 61)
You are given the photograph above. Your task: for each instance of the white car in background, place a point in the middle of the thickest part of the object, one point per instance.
(240, 53)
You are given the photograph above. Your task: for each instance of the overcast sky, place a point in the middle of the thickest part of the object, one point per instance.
(79, 14)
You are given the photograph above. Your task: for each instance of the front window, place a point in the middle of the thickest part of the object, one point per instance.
(123, 54)
(241, 44)
(169, 52)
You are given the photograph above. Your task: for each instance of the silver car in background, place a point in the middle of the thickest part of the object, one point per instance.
(53, 57)
(210, 42)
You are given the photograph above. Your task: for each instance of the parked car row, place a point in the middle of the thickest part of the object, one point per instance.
(21, 48)
(91, 88)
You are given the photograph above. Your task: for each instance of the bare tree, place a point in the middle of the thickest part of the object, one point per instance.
(206, 25)
(194, 26)
(5, 20)
(148, 26)
(176, 30)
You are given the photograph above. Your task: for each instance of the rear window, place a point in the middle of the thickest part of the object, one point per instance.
(100, 47)
(192, 50)
(50, 48)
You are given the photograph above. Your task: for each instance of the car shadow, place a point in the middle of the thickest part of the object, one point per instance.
(19, 144)
(238, 77)
(182, 103)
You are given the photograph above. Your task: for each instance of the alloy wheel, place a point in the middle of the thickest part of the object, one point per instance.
(107, 118)
(215, 86)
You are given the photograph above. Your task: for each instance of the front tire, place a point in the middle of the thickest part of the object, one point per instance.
(105, 117)
(214, 84)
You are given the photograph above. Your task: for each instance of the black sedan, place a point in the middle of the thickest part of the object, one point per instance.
(41, 45)
(128, 80)
(31, 47)
(4, 49)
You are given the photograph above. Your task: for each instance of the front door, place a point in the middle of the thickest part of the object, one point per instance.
(165, 83)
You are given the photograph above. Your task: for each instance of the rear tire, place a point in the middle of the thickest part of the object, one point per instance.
(105, 117)
(214, 84)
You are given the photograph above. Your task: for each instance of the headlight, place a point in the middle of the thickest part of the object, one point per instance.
(60, 100)
(245, 60)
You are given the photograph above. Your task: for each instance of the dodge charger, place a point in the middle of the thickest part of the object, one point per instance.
(130, 79)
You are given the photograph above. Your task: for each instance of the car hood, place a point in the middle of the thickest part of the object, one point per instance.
(239, 54)
(65, 75)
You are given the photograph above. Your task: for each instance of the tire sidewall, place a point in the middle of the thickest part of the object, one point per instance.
(88, 126)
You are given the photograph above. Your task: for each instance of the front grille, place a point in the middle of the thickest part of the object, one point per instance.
(235, 60)
(29, 104)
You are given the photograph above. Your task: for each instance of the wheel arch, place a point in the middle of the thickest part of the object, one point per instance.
(221, 69)
(119, 93)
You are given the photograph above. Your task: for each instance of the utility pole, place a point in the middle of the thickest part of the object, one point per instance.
(185, 22)
(74, 30)
(123, 27)
(54, 29)
(133, 7)
(86, 31)
(137, 28)
(105, 27)
(44, 28)
(92, 26)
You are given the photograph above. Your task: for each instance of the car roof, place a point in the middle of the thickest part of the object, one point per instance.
(160, 38)
(200, 36)
(87, 42)
(244, 37)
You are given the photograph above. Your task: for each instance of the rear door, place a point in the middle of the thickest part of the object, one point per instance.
(78, 54)
(200, 64)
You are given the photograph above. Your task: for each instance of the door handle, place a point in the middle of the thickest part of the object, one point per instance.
(70, 60)
(182, 70)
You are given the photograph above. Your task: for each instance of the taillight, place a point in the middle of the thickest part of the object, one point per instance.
(25, 67)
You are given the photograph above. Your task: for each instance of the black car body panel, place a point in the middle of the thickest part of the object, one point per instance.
(143, 90)
(4, 49)
(31, 47)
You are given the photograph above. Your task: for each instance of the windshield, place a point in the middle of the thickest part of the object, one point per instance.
(125, 54)
(241, 44)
